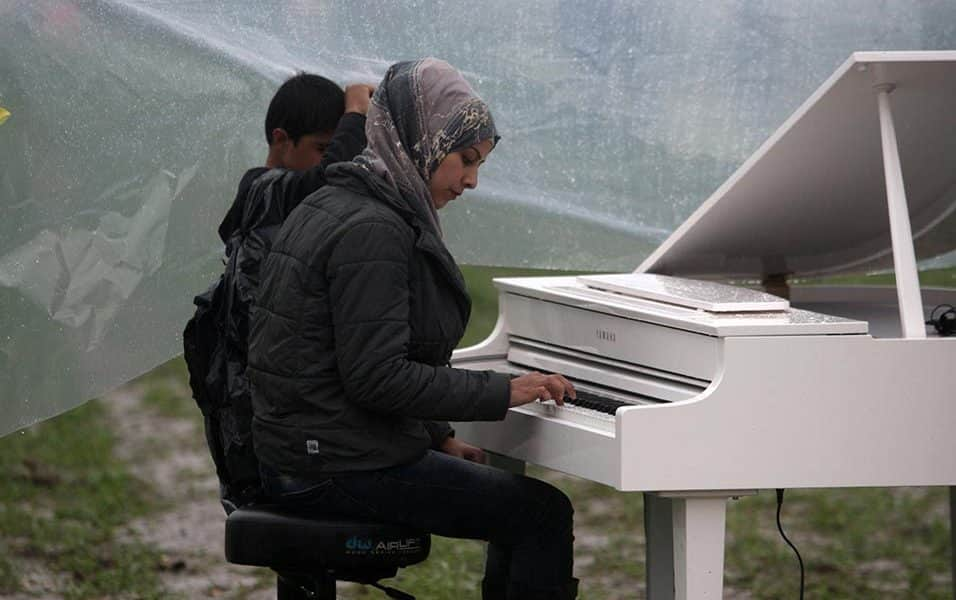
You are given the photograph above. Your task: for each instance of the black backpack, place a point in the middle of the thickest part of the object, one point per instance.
(227, 416)
(215, 344)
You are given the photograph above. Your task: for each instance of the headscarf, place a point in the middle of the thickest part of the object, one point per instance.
(421, 112)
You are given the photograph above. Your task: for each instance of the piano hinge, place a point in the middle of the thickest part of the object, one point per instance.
(776, 284)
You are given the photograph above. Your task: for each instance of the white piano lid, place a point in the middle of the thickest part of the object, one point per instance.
(571, 292)
(691, 293)
(812, 199)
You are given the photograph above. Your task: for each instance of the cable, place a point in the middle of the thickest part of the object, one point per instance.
(392, 592)
(786, 539)
(945, 323)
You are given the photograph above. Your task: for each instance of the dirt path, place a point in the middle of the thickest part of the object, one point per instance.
(169, 452)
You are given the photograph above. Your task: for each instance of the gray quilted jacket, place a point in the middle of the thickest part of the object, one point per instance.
(359, 309)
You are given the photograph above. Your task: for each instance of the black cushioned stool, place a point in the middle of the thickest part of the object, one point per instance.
(310, 554)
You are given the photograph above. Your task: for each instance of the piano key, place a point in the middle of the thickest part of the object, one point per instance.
(595, 402)
(571, 414)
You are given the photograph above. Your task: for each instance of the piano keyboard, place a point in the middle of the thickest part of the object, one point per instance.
(602, 385)
(595, 403)
(570, 413)
(592, 408)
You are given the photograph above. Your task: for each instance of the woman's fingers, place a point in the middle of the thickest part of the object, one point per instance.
(537, 386)
(555, 390)
(569, 391)
(558, 388)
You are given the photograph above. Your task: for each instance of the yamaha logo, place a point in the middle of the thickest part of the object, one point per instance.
(607, 336)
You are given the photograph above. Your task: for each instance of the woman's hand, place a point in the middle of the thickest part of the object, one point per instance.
(534, 385)
(462, 450)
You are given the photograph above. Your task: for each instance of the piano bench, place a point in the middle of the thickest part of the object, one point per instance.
(310, 554)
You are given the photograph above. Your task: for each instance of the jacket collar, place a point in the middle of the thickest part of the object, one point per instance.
(362, 181)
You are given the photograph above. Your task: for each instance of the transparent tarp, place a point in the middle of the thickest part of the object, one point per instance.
(131, 122)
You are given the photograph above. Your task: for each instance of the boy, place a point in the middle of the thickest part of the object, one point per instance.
(310, 124)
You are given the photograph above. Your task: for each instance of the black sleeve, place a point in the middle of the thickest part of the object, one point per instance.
(290, 189)
(438, 431)
(369, 296)
(347, 142)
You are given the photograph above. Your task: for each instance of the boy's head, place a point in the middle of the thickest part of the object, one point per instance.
(301, 119)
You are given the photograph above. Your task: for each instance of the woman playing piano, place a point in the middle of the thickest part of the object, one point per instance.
(360, 307)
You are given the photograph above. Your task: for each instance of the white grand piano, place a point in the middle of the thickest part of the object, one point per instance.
(696, 388)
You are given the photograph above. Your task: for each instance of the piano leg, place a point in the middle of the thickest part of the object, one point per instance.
(685, 543)
(952, 534)
(699, 547)
(659, 533)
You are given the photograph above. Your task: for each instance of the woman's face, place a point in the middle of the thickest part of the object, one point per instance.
(457, 172)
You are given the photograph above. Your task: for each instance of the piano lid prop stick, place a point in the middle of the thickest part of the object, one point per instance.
(904, 257)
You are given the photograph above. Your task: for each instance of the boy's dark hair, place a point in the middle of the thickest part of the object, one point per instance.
(305, 104)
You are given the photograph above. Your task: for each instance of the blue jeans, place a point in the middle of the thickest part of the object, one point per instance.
(527, 522)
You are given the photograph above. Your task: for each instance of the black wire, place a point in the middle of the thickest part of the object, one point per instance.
(786, 539)
(943, 325)
(392, 592)
(932, 314)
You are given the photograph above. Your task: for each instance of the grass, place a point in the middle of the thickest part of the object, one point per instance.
(856, 543)
(453, 571)
(165, 392)
(941, 278)
(169, 400)
(484, 298)
(64, 500)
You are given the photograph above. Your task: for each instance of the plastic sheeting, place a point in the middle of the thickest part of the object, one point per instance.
(130, 123)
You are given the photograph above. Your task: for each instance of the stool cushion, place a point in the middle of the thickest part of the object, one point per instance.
(267, 536)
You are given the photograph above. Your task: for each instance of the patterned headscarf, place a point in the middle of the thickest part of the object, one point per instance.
(423, 111)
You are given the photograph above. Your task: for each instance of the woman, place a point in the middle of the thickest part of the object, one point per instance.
(360, 308)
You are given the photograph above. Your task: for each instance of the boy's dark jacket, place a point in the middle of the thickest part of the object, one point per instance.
(216, 338)
(359, 310)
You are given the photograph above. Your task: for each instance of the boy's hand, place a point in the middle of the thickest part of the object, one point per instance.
(357, 97)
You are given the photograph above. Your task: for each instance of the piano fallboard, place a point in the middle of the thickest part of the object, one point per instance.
(664, 348)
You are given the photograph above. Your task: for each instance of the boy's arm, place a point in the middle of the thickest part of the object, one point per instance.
(349, 138)
(347, 142)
